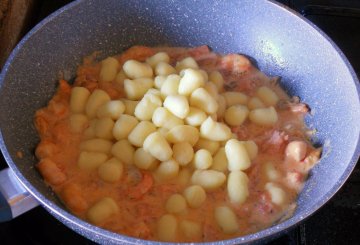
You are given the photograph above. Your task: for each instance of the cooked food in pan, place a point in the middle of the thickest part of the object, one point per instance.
(175, 144)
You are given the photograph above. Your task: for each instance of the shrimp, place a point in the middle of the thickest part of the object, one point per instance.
(51, 172)
(46, 148)
(41, 124)
(141, 188)
(73, 198)
(234, 64)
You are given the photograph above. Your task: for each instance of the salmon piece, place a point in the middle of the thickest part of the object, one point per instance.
(294, 180)
(72, 197)
(64, 87)
(139, 53)
(58, 109)
(61, 133)
(235, 64)
(42, 125)
(200, 52)
(87, 75)
(46, 148)
(51, 172)
(141, 188)
(276, 142)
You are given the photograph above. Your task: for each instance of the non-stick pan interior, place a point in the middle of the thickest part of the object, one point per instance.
(282, 44)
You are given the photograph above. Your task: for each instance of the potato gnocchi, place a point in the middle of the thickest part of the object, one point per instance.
(175, 145)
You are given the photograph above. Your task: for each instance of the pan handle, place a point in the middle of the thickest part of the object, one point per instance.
(14, 198)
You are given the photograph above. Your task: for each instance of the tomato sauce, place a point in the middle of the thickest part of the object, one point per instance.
(139, 196)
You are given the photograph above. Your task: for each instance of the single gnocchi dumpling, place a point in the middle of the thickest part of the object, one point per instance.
(188, 62)
(124, 151)
(226, 219)
(183, 153)
(201, 99)
(157, 58)
(236, 153)
(237, 187)
(78, 99)
(183, 133)
(112, 109)
(167, 170)
(109, 69)
(277, 194)
(190, 81)
(167, 227)
(267, 95)
(91, 160)
(102, 210)
(213, 130)
(195, 196)
(96, 145)
(111, 171)
(208, 179)
(177, 105)
(191, 230)
(123, 126)
(157, 146)
(144, 160)
(95, 101)
(175, 204)
(135, 69)
(162, 117)
(140, 132)
(264, 116)
(135, 89)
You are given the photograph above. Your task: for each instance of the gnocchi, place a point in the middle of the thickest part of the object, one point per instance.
(140, 132)
(111, 171)
(109, 69)
(237, 187)
(183, 153)
(96, 100)
(123, 126)
(174, 145)
(124, 151)
(226, 219)
(78, 99)
(102, 210)
(157, 146)
(208, 179)
(201, 99)
(238, 158)
(191, 80)
(135, 69)
(215, 131)
(175, 204)
(195, 196)
(167, 228)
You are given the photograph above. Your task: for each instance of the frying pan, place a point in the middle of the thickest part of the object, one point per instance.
(282, 42)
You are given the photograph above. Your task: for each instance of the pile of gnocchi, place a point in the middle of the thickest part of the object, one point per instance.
(175, 144)
(174, 122)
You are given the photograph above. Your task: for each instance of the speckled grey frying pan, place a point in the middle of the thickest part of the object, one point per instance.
(282, 42)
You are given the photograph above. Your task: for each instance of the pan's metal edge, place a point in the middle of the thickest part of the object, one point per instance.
(70, 219)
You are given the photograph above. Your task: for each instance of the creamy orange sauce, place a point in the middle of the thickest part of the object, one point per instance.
(140, 198)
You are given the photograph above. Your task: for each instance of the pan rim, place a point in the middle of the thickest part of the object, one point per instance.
(98, 234)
